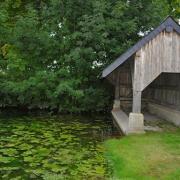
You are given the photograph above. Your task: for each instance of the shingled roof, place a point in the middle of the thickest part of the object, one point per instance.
(169, 24)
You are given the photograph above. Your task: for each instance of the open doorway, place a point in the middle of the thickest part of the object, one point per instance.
(162, 99)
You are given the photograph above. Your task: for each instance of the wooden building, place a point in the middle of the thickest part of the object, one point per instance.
(147, 78)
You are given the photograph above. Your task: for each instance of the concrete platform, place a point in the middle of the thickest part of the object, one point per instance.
(121, 120)
(125, 124)
(155, 123)
(151, 122)
(165, 113)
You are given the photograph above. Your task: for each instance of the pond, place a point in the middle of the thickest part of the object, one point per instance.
(60, 147)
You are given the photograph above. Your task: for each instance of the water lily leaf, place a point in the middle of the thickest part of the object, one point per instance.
(39, 171)
(10, 144)
(28, 159)
(100, 170)
(34, 164)
(25, 146)
(66, 136)
(9, 151)
(53, 167)
(17, 178)
(9, 168)
(26, 153)
(35, 141)
(4, 159)
(51, 176)
(32, 147)
(43, 151)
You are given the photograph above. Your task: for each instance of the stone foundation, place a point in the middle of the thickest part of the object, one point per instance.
(136, 123)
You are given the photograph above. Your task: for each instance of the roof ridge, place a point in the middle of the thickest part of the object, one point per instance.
(169, 24)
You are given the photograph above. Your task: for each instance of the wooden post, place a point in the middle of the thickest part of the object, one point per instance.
(117, 88)
(132, 70)
(178, 81)
(136, 80)
(137, 101)
(136, 119)
(117, 95)
(117, 92)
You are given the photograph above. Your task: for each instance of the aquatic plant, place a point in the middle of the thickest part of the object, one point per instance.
(52, 148)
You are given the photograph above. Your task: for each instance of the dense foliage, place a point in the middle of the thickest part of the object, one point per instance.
(52, 52)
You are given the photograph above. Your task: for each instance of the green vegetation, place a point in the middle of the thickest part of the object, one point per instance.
(53, 148)
(145, 157)
(52, 52)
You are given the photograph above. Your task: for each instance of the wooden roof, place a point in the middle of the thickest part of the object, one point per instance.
(169, 24)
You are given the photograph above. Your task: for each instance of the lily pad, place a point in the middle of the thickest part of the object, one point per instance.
(66, 148)
(9, 152)
(4, 159)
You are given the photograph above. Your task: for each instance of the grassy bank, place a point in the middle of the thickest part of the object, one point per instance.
(150, 156)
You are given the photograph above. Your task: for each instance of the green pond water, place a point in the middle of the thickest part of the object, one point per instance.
(64, 147)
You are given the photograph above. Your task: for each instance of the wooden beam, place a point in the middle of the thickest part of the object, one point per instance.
(137, 101)
(117, 88)
(179, 81)
(132, 70)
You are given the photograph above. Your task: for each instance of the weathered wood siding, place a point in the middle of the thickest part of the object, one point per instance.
(143, 73)
(162, 54)
(122, 78)
(165, 90)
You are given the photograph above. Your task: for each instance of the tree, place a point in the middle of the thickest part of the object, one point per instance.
(53, 52)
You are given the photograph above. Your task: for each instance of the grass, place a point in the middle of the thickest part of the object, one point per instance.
(151, 156)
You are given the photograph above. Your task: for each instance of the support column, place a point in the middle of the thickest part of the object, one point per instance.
(117, 104)
(136, 119)
(136, 101)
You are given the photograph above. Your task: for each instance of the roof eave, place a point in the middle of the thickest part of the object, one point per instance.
(168, 22)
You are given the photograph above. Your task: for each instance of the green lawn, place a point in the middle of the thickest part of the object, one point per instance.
(149, 156)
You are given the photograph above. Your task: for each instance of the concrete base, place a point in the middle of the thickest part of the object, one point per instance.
(131, 125)
(136, 123)
(116, 104)
(166, 113)
(121, 120)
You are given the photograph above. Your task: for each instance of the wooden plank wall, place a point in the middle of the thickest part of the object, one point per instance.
(162, 54)
(165, 90)
(122, 75)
